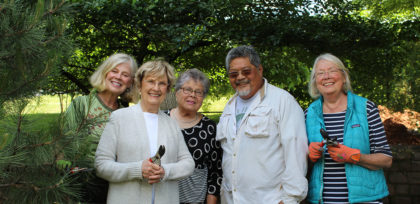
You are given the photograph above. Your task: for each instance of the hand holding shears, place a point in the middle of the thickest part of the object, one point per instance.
(316, 148)
(338, 152)
(327, 139)
(151, 168)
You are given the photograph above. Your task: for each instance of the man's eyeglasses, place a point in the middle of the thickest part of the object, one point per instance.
(189, 91)
(244, 72)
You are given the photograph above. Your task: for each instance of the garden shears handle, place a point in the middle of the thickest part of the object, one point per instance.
(156, 160)
(327, 139)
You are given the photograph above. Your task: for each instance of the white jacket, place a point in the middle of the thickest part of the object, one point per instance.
(124, 145)
(265, 161)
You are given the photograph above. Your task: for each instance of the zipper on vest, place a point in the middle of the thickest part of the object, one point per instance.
(322, 178)
(322, 169)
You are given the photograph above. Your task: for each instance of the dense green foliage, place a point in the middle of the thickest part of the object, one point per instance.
(380, 53)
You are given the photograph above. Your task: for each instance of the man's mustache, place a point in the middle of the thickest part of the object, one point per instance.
(241, 82)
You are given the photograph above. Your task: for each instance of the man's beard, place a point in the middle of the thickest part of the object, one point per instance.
(243, 92)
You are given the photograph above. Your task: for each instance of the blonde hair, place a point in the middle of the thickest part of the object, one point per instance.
(97, 80)
(313, 90)
(158, 68)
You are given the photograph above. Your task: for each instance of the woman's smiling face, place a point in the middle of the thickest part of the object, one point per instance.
(190, 101)
(329, 79)
(118, 79)
(153, 91)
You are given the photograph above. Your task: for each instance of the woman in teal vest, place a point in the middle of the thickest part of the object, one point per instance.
(348, 165)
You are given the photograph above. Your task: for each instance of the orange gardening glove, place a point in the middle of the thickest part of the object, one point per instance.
(315, 151)
(342, 153)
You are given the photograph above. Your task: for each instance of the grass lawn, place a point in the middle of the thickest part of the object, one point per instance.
(213, 108)
(51, 104)
(48, 104)
(45, 110)
(41, 112)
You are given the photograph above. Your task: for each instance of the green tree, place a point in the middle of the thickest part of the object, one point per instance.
(186, 33)
(390, 10)
(33, 45)
(288, 34)
(382, 53)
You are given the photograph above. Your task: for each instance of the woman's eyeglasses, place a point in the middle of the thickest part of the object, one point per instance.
(189, 91)
(331, 72)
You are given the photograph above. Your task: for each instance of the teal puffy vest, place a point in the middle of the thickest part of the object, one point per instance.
(363, 184)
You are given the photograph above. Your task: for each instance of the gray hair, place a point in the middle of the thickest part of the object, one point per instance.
(196, 75)
(313, 90)
(243, 51)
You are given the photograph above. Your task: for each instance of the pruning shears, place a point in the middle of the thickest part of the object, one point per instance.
(156, 160)
(327, 139)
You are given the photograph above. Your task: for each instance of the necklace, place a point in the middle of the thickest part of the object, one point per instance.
(183, 121)
(113, 106)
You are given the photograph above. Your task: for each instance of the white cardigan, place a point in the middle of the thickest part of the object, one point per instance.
(124, 145)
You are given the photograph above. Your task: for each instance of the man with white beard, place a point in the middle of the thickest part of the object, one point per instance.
(263, 136)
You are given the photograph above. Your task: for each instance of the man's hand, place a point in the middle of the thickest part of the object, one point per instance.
(315, 151)
(153, 172)
(342, 153)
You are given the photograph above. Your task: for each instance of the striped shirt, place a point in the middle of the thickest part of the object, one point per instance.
(334, 177)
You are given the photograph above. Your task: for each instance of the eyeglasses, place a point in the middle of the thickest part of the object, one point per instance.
(189, 91)
(244, 72)
(153, 82)
(331, 72)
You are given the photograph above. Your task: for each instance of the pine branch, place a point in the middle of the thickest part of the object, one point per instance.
(51, 39)
(31, 26)
(36, 78)
(20, 185)
(52, 11)
(19, 125)
(39, 145)
(31, 185)
(19, 129)
(16, 90)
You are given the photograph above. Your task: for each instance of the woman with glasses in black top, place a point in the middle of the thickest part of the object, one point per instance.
(199, 133)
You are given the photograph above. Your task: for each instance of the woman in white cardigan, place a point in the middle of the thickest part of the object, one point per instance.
(133, 135)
